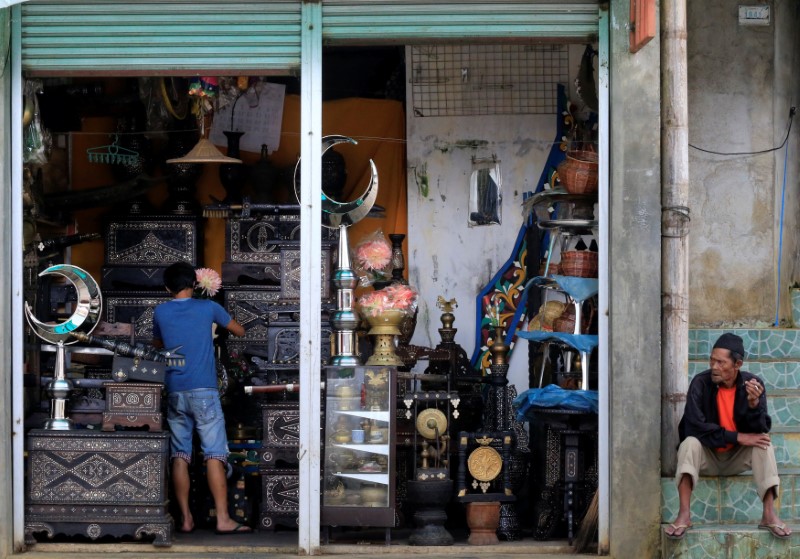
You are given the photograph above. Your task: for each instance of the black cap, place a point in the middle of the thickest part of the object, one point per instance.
(731, 342)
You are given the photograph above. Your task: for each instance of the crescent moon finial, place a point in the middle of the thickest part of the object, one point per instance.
(335, 213)
(87, 307)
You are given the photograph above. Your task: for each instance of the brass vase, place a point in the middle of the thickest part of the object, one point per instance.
(384, 328)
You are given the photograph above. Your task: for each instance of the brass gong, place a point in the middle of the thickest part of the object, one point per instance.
(429, 421)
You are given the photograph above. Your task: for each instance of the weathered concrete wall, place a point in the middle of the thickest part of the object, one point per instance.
(739, 85)
(635, 298)
(447, 256)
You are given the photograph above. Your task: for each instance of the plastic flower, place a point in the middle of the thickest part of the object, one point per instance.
(374, 254)
(208, 282)
(397, 297)
(373, 303)
(401, 296)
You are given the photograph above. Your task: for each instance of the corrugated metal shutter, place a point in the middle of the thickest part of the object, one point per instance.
(149, 37)
(410, 21)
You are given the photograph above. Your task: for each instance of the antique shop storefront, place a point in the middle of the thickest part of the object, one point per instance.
(106, 173)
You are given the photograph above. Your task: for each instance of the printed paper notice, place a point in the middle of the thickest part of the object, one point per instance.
(258, 113)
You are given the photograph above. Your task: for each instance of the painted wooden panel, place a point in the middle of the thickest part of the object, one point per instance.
(148, 37)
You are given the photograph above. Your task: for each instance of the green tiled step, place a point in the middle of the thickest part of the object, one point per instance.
(732, 500)
(759, 343)
(730, 542)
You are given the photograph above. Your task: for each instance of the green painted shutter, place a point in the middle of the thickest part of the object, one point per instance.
(410, 21)
(148, 37)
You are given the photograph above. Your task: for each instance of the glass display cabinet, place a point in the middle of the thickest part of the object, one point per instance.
(358, 477)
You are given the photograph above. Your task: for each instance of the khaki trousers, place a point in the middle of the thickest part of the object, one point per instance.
(696, 460)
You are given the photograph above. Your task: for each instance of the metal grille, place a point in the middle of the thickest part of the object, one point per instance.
(467, 80)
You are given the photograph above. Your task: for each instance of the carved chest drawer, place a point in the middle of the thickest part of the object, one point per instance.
(133, 404)
(134, 307)
(280, 441)
(272, 327)
(280, 498)
(95, 484)
(138, 250)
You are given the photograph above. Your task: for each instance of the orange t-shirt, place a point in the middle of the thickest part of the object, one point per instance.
(725, 398)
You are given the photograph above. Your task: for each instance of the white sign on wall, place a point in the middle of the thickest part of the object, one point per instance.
(754, 15)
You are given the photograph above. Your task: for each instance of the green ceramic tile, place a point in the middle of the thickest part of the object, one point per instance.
(739, 502)
(705, 500)
(784, 411)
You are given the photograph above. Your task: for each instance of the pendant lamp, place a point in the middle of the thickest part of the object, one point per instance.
(204, 151)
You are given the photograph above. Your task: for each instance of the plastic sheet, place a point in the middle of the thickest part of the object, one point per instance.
(553, 396)
(579, 289)
(581, 342)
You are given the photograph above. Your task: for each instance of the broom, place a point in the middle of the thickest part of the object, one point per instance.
(587, 532)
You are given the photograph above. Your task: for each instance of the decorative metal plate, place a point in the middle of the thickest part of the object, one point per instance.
(485, 463)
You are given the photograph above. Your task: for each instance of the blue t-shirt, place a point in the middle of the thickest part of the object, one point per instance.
(187, 323)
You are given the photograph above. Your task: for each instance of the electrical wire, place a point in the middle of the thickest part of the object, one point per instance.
(783, 143)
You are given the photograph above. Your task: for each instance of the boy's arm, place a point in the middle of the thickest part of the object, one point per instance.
(235, 328)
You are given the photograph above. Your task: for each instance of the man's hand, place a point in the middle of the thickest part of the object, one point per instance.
(754, 391)
(761, 440)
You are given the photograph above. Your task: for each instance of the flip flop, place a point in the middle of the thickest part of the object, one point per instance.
(678, 531)
(773, 529)
(240, 529)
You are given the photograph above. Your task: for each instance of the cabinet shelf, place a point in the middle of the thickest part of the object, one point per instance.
(358, 477)
(374, 448)
(382, 479)
(375, 415)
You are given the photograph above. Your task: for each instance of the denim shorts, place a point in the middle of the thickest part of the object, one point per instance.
(198, 410)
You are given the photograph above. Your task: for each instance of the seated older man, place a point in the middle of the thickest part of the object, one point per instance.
(724, 431)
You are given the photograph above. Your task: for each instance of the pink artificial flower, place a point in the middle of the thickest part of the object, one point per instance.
(374, 255)
(402, 297)
(374, 303)
(208, 281)
(396, 297)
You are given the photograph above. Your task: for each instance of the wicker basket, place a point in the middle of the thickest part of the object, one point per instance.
(578, 172)
(579, 263)
(566, 322)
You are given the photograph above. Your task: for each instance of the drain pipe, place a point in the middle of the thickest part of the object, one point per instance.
(674, 228)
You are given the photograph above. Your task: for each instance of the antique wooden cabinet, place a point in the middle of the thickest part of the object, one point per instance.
(359, 461)
(95, 484)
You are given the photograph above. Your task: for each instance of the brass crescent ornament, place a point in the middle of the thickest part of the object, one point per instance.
(87, 307)
(429, 421)
(484, 463)
(335, 213)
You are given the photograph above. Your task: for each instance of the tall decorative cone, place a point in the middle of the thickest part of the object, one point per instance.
(345, 319)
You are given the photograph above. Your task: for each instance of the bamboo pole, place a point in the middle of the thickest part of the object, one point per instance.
(674, 228)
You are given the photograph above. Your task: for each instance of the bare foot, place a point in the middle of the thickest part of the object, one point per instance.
(187, 525)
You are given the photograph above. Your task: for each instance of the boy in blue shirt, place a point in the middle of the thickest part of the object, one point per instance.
(193, 396)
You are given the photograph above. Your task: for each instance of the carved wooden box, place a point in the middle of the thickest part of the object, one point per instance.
(133, 404)
(272, 328)
(280, 498)
(134, 307)
(138, 250)
(280, 440)
(96, 484)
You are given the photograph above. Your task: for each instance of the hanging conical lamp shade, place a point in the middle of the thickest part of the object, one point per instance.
(204, 152)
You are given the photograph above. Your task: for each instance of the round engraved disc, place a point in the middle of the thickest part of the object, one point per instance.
(429, 421)
(484, 463)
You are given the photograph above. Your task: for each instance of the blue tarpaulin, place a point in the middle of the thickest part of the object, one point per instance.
(553, 396)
